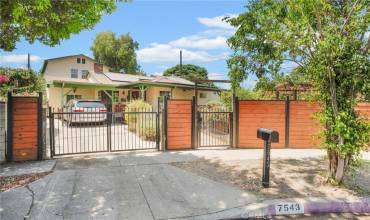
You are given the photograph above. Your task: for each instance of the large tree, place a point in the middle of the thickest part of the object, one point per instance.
(188, 71)
(47, 21)
(329, 42)
(116, 52)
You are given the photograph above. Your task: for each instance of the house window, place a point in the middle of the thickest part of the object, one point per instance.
(71, 97)
(202, 95)
(164, 93)
(84, 74)
(74, 73)
(78, 60)
(83, 60)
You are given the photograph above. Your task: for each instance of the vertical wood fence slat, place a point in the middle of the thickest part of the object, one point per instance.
(9, 148)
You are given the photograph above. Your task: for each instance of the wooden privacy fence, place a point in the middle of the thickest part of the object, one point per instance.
(260, 114)
(295, 121)
(178, 123)
(25, 133)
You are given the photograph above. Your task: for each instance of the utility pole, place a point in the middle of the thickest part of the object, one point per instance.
(28, 61)
(180, 62)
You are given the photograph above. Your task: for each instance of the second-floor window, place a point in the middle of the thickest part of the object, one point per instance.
(74, 73)
(84, 74)
(81, 60)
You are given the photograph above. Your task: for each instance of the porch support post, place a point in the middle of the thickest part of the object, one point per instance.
(62, 96)
(142, 92)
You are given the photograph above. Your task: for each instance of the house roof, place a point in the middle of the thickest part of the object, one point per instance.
(64, 57)
(121, 80)
(123, 77)
(172, 80)
(93, 79)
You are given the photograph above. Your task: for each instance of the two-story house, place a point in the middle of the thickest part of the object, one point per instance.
(81, 77)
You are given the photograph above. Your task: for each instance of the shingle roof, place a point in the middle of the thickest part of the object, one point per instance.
(92, 79)
(123, 77)
(57, 58)
(172, 79)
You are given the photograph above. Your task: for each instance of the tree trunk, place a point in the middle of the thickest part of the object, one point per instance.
(337, 165)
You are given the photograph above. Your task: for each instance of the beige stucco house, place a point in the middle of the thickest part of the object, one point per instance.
(81, 77)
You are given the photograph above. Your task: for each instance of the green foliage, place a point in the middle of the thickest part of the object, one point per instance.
(327, 41)
(266, 83)
(242, 94)
(116, 52)
(189, 71)
(48, 21)
(135, 106)
(20, 81)
(146, 127)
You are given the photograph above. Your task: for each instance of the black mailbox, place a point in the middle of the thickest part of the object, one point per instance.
(268, 136)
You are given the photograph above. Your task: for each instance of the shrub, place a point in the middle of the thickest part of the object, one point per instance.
(135, 106)
(22, 81)
(147, 128)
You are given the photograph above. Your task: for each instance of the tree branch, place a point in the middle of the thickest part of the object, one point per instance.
(350, 14)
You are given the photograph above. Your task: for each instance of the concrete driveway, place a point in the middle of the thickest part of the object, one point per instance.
(123, 186)
(133, 186)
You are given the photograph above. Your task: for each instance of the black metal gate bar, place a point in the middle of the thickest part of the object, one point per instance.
(215, 128)
(95, 131)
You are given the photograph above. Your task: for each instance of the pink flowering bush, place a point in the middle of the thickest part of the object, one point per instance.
(20, 81)
(3, 79)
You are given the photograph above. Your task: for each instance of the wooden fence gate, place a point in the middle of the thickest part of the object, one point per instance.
(25, 133)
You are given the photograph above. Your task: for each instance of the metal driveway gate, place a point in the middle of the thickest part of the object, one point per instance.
(95, 131)
(214, 127)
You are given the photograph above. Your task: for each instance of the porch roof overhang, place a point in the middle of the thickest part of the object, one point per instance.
(171, 85)
(67, 84)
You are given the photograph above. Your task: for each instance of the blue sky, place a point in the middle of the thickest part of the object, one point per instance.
(161, 28)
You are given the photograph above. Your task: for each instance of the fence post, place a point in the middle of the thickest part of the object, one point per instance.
(157, 137)
(235, 123)
(193, 122)
(40, 142)
(164, 123)
(9, 146)
(196, 116)
(51, 132)
(287, 120)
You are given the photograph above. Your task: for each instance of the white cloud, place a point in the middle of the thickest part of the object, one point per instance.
(160, 53)
(217, 76)
(216, 22)
(214, 37)
(18, 58)
(215, 32)
(200, 42)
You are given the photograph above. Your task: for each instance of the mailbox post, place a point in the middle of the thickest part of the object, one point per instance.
(268, 136)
